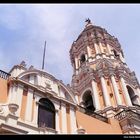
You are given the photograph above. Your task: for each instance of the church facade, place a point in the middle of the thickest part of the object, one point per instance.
(103, 97)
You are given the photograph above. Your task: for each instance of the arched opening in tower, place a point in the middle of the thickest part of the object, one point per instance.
(132, 95)
(115, 53)
(83, 58)
(88, 102)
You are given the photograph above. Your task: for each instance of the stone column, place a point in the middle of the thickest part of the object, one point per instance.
(76, 97)
(13, 101)
(13, 95)
(102, 51)
(116, 91)
(10, 94)
(64, 118)
(109, 50)
(57, 120)
(95, 96)
(35, 115)
(101, 48)
(138, 94)
(28, 113)
(105, 93)
(73, 120)
(89, 53)
(126, 94)
(86, 56)
(19, 97)
(76, 63)
(79, 63)
(39, 79)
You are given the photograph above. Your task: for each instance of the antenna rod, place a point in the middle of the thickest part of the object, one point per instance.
(44, 56)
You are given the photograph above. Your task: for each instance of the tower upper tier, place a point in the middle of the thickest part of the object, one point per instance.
(94, 43)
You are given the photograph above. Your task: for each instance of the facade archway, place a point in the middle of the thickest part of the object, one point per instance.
(88, 101)
(46, 113)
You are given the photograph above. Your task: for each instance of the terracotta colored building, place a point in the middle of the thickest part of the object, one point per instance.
(103, 97)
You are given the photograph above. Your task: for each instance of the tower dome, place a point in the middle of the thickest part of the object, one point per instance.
(96, 40)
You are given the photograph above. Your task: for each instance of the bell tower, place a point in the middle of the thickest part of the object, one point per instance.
(102, 81)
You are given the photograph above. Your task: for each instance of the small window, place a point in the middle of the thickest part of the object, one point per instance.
(115, 53)
(83, 59)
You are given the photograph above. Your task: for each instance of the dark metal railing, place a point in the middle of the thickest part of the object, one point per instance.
(126, 114)
(4, 75)
(92, 114)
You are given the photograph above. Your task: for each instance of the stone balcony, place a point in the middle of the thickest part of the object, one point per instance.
(4, 75)
(129, 121)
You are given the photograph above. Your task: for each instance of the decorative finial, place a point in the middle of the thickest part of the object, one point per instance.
(31, 67)
(23, 64)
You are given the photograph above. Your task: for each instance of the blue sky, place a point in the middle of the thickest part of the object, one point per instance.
(25, 27)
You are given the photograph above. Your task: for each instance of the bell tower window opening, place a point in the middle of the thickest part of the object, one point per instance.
(115, 53)
(132, 95)
(88, 102)
(82, 58)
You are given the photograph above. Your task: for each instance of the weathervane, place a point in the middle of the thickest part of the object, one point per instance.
(88, 21)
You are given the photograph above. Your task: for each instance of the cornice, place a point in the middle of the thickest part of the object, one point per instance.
(41, 91)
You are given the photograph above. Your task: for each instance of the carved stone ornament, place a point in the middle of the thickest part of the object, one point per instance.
(13, 108)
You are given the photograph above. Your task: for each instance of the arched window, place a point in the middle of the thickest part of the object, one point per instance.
(83, 59)
(87, 100)
(115, 53)
(46, 113)
(132, 95)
